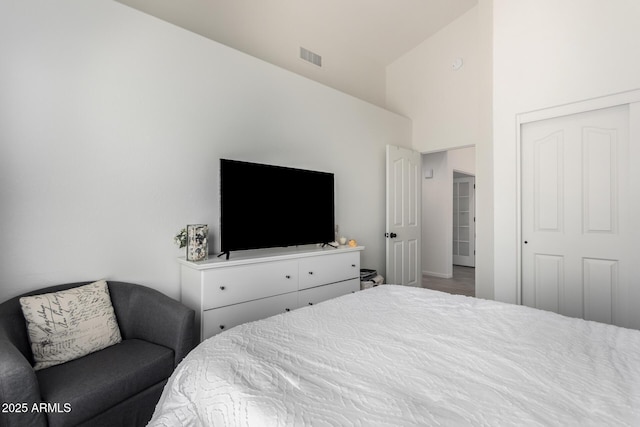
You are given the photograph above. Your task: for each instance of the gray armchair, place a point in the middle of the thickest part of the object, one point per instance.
(117, 386)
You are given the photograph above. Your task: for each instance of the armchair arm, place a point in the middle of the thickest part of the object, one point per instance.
(154, 317)
(18, 386)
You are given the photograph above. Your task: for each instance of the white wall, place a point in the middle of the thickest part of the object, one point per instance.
(549, 53)
(462, 160)
(452, 109)
(436, 211)
(441, 101)
(437, 207)
(111, 126)
(485, 221)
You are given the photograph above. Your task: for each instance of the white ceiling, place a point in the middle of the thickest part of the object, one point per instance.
(376, 31)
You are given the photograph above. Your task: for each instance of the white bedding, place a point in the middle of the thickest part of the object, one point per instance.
(400, 356)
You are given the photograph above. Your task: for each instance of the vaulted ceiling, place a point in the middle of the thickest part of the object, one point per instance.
(352, 36)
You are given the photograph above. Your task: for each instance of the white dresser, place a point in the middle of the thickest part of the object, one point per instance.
(252, 285)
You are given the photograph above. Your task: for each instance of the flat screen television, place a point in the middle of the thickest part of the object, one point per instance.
(266, 206)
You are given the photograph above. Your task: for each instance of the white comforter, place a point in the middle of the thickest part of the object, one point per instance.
(399, 356)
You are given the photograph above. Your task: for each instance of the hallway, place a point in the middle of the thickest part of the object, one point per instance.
(462, 282)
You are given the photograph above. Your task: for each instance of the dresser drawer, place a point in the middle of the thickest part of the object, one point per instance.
(234, 285)
(321, 293)
(220, 319)
(321, 270)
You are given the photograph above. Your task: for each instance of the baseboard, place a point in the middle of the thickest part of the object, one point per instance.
(440, 275)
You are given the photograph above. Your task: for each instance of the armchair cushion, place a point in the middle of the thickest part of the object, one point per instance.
(94, 383)
(65, 325)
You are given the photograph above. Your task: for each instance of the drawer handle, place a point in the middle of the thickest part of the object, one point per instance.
(287, 276)
(287, 309)
(353, 265)
(310, 303)
(311, 272)
(221, 326)
(222, 288)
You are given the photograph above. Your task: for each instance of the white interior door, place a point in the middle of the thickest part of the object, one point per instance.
(403, 216)
(464, 221)
(577, 226)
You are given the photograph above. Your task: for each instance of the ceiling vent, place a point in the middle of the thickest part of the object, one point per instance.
(312, 57)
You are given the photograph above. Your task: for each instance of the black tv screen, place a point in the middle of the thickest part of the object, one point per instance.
(265, 206)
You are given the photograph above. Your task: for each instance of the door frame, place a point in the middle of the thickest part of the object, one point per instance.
(607, 101)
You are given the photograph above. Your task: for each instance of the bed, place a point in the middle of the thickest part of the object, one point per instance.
(402, 356)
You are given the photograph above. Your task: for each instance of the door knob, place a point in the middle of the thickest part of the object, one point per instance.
(391, 235)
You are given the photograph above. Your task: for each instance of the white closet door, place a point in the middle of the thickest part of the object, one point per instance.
(578, 246)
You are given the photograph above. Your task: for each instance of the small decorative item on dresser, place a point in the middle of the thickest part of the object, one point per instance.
(197, 247)
(353, 243)
(181, 238)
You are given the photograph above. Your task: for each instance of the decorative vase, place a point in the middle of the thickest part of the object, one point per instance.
(197, 247)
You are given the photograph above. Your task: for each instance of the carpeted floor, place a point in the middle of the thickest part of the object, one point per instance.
(462, 282)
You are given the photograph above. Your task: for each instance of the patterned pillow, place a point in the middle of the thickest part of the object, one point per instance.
(69, 324)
